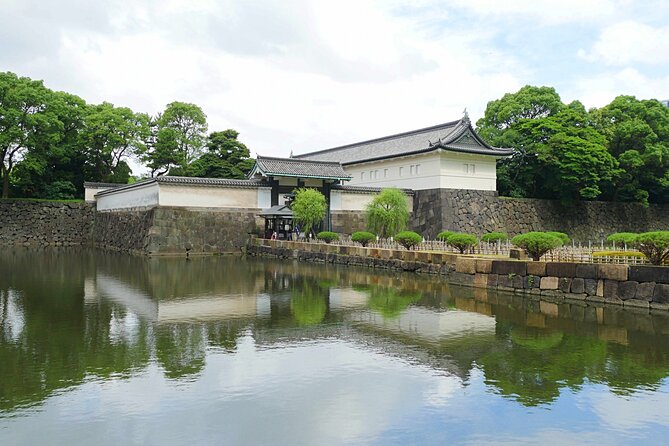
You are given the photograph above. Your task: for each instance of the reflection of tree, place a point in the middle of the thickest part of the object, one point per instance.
(181, 349)
(535, 365)
(308, 303)
(390, 302)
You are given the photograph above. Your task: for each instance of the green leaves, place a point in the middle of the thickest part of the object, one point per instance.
(388, 212)
(654, 245)
(462, 242)
(408, 239)
(537, 244)
(308, 208)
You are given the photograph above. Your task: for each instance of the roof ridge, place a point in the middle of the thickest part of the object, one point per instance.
(383, 138)
(296, 160)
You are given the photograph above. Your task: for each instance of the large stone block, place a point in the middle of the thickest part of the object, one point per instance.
(518, 268)
(564, 284)
(661, 294)
(549, 283)
(586, 270)
(645, 291)
(466, 265)
(505, 280)
(578, 285)
(536, 268)
(611, 289)
(481, 280)
(627, 290)
(613, 272)
(531, 282)
(645, 273)
(560, 269)
(590, 286)
(484, 266)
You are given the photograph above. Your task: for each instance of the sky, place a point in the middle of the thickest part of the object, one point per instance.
(299, 75)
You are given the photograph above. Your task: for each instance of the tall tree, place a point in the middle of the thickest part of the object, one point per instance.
(25, 116)
(111, 135)
(637, 134)
(226, 157)
(388, 212)
(179, 138)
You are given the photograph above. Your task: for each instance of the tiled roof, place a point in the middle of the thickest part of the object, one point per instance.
(192, 181)
(458, 136)
(367, 190)
(300, 168)
(94, 185)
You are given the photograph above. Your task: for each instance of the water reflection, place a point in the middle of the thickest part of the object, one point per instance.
(69, 318)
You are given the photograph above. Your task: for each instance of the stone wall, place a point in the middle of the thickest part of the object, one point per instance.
(176, 231)
(125, 231)
(637, 286)
(44, 223)
(479, 212)
(348, 222)
(198, 231)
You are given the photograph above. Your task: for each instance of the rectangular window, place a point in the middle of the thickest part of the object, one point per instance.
(401, 171)
(469, 169)
(411, 170)
(417, 167)
(385, 173)
(362, 176)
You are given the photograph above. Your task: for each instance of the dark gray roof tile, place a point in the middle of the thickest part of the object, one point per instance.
(300, 168)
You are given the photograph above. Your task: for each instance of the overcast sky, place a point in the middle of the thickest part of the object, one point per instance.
(305, 75)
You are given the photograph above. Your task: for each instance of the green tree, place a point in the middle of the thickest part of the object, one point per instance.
(25, 117)
(110, 136)
(637, 135)
(178, 139)
(537, 244)
(226, 157)
(388, 213)
(308, 208)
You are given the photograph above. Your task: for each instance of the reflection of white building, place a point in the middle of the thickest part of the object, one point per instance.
(193, 308)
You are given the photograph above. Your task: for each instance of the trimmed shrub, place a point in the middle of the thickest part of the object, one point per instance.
(631, 254)
(494, 237)
(537, 244)
(443, 235)
(408, 239)
(654, 245)
(561, 235)
(327, 236)
(462, 242)
(363, 237)
(622, 238)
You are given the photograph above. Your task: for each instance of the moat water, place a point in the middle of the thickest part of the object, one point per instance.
(106, 349)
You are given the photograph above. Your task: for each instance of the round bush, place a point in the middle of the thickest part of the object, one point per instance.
(537, 244)
(443, 235)
(462, 242)
(327, 236)
(654, 245)
(561, 235)
(622, 238)
(494, 237)
(363, 237)
(408, 239)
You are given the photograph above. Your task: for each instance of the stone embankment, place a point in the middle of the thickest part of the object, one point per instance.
(638, 286)
(45, 223)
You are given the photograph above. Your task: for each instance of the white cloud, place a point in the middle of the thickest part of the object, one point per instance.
(628, 43)
(601, 89)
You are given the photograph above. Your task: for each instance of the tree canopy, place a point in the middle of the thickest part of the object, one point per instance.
(388, 213)
(619, 152)
(308, 208)
(51, 142)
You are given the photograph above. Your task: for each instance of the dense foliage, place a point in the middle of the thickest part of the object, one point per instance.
(408, 239)
(327, 236)
(308, 208)
(363, 237)
(388, 212)
(537, 244)
(622, 238)
(51, 142)
(494, 237)
(619, 152)
(443, 235)
(462, 242)
(564, 238)
(654, 245)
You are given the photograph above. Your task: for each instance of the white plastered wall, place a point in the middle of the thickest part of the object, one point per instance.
(142, 196)
(435, 170)
(342, 200)
(208, 196)
(89, 192)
